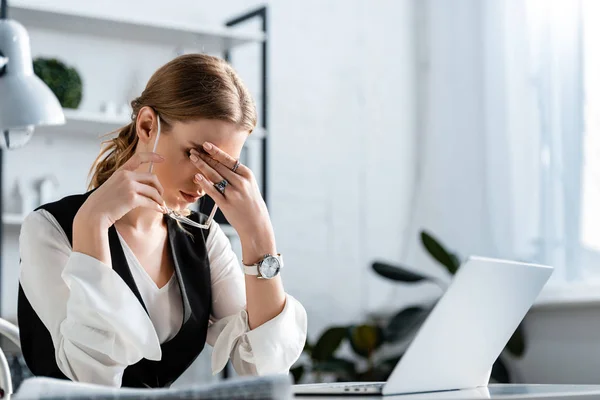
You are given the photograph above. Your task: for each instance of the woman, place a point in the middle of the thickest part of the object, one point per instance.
(114, 291)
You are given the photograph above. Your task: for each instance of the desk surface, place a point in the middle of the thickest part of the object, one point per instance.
(494, 391)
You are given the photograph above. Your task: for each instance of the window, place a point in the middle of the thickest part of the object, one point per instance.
(590, 202)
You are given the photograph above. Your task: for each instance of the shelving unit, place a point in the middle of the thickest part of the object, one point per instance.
(85, 123)
(207, 39)
(12, 219)
(95, 124)
(214, 40)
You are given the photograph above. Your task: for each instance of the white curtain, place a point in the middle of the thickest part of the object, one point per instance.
(555, 30)
(499, 146)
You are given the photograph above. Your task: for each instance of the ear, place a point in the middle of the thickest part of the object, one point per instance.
(146, 124)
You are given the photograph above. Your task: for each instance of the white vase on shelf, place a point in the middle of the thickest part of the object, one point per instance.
(28, 199)
(22, 199)
(46, 189)
(14, 203)
(109, 108)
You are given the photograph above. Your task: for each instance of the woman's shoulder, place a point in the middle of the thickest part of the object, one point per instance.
(53, 219)
(41, 225)
(62, 212)
(69, 202)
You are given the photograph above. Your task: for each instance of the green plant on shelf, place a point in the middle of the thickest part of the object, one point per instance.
(65, 82)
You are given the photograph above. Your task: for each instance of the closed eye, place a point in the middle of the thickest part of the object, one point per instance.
(200, 150)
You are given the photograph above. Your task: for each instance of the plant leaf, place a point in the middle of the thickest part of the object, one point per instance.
(500, 372)
(456, 262)
(384, 368)
(397, 273)
(437, 251)
(391, 361)
(297, 373)
(328, 343)
(308, 348)
(365, 339)
(405, 322)
(516, 343)
(339, 366)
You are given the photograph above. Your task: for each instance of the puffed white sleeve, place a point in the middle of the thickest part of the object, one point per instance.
(97, 325)
(271, 348)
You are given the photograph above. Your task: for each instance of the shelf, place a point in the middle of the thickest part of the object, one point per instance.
(85, 123)
(206, 39)
(97, 124)
(12, 219)
(566, 295)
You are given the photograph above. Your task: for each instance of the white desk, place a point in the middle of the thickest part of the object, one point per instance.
(495, 391)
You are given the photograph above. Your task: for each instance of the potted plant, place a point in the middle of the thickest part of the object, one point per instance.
(65, 82)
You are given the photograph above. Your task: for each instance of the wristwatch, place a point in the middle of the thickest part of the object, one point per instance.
(267, 268)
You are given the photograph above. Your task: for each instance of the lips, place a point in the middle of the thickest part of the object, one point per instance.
(190, 198)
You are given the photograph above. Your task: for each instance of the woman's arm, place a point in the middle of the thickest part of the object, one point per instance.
(268, 336)
(269, 348)
(97, 325)
(90, 236)
(265, 298)
(243, 206)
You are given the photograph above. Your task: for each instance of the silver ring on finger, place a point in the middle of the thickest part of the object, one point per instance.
(236, 166)
(220, 186)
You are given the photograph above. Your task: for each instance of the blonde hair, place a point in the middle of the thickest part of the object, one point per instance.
(189, 87)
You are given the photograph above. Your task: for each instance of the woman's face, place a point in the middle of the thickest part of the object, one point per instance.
(176, 173)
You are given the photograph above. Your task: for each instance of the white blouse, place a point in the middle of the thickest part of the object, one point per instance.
(98, 326)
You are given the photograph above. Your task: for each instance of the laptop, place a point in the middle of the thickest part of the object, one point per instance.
(463, 335)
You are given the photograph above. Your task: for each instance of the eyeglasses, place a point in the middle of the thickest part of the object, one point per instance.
(175, 214)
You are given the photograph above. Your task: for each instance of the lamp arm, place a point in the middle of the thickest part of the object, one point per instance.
(3, 15)
(3, 9)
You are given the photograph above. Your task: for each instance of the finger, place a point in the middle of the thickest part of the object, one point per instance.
(147, 202)
(209, 188)
(150, 193)
(224, 158)
(149, 179)
(142, 158)
(206, 169)
(225, 172)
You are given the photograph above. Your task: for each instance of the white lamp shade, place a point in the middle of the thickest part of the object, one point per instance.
(25, 100)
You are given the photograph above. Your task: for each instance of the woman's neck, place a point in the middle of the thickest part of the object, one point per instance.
(142, 219)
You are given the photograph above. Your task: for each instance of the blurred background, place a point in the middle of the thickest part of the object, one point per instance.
(396, 138)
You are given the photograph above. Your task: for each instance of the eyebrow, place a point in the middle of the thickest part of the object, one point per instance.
(197, 146)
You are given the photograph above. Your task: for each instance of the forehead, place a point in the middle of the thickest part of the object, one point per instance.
(225, 135)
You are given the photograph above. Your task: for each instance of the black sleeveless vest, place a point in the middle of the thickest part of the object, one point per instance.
(190, 259)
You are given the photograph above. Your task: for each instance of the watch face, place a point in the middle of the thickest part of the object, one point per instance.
(269, 267)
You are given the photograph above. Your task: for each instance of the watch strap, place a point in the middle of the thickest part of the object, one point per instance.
(253, 269)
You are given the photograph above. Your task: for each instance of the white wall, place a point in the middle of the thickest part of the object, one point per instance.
(563, 345)
(342, 125)
(343, 122)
